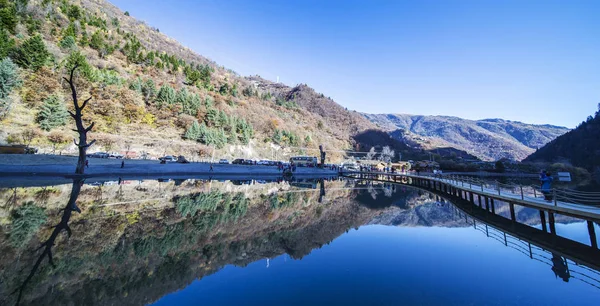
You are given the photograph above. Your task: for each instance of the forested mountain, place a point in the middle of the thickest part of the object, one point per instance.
(149, 93)
(580, 147)
(488, 139)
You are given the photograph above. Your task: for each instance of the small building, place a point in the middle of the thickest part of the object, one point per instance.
(401, 166)
(375, 164)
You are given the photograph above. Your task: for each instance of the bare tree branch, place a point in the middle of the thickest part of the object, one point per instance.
(85, 103)
(89, 128)
(90, 144)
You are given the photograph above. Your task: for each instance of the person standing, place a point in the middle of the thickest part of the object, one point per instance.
(122, 164)
(546, 185)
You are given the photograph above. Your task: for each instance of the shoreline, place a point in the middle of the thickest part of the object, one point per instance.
(44, 171)
(152, 169)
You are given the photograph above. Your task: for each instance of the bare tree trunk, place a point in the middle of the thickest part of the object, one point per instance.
(82, 145)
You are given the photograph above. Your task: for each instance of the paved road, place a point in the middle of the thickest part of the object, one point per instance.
(141, 167)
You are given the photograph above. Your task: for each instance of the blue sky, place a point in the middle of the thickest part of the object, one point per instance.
(531, 61)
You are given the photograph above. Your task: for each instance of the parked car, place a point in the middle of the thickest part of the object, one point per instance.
(238, 161)
(168, 158)
(98, 155)
(223, 161)
(264, 162)
(116, 155)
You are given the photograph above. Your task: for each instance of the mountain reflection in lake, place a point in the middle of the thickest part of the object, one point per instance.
(185, 242)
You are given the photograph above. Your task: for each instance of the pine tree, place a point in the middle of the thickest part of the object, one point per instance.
(8, 16)
(6, 43)
(97, 41)
(211, 116)
(166, 96)
(136, 84)
(53, 113)
(32, 53)
(277, 137)
(70, 30)
(68, 42)
(148, 90)
(193, 132)
(182, 98)
(193, 105)
(9, 77)
(222, 120)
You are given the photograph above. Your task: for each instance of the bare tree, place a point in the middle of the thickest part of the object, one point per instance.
(82, 145)
(387, 154)
(371, 154)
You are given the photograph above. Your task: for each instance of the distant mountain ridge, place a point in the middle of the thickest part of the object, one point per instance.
(488, 139)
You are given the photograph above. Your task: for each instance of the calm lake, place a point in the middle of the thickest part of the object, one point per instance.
(269, 242)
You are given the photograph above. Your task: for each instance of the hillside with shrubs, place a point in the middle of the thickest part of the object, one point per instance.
(579, 147)
(149, 94)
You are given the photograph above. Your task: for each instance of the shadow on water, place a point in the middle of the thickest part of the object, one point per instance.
(139, 240)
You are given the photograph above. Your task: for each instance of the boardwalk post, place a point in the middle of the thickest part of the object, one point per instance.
(554, 196)
(534, 193)
(512, 211)
(522, 197)
(493, 206)
(530, 253)
(592, 231)
(543, 219)
(479, 200)
(551, 222)
(471, 197)
(487, 203)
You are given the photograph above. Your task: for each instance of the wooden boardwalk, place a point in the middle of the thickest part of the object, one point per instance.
(478, 192)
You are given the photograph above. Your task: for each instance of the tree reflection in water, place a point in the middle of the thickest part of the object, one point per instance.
(189, 229)
(47, 245)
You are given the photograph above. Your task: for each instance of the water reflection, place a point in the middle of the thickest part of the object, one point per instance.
(132, 241)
